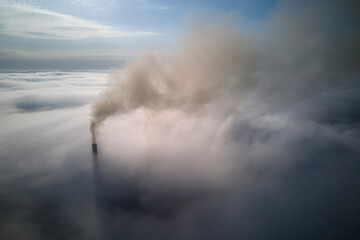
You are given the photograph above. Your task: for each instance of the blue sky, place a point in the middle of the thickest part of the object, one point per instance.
(99, 33)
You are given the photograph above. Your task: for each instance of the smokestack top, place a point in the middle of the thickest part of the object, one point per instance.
(94, 148)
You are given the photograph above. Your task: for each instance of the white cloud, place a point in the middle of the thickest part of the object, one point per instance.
(26, 21)
(47, 88)
(66, 54)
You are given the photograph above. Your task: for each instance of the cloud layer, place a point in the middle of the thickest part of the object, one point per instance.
(25, 21)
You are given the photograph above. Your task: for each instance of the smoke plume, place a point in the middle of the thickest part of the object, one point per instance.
(217, 64)
(214, 62)
(236, 127)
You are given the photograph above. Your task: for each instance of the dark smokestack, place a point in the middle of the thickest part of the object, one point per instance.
(94, 148)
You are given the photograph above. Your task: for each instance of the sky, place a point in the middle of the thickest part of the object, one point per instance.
(213, 120)
(100, 34)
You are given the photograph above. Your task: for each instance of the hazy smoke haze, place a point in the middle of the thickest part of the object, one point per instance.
(238, 124)
(236, 133)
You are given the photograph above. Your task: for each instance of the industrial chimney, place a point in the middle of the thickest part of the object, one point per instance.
(94, 148)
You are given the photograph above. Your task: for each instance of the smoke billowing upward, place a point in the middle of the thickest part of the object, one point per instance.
(215, 62)
(219, 65)
(233, 117)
